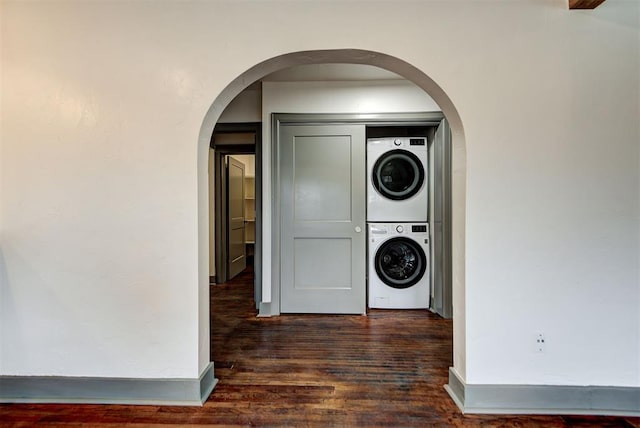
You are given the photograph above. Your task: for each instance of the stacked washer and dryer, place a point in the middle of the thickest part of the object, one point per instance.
(397, 223)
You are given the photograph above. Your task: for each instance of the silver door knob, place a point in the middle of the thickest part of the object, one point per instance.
(358, 229)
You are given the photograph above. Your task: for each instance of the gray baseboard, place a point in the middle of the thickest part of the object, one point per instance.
(543, 399)
(58, 389)
(264, 310)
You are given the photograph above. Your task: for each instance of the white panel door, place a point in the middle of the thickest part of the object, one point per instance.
(236, 252)
(322, 219)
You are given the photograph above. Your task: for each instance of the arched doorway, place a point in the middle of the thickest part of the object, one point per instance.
(346, 56)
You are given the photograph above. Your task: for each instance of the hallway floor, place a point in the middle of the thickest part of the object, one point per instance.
(385, 369)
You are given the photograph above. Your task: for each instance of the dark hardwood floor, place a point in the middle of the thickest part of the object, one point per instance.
(385, 369)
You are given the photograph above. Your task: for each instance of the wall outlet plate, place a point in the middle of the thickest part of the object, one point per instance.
(540, 342)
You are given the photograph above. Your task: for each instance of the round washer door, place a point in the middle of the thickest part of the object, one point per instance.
(400, 262)
(398, 174)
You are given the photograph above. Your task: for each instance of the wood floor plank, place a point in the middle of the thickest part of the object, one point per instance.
(384, 369)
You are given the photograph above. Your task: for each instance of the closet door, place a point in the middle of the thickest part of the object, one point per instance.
(322, 219)
(442, 299)
(236, 252)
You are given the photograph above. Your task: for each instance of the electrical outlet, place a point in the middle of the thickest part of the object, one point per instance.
(540, 342)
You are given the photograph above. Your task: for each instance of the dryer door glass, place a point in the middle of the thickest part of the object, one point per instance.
(398, 174)
(400, 262)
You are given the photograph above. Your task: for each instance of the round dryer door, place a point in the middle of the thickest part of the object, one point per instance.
(398, 175)
(400, 262)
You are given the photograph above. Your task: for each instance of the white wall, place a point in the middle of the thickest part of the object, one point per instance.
(102, 103)
(373, 96)
(100, 115)
(553, 201)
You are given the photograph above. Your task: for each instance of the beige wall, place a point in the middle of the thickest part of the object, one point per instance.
(103, 270)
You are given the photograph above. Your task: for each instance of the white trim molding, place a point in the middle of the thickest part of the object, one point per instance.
(58, 389)
(543, 399)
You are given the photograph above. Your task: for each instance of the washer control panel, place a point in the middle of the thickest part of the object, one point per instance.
(382, 229)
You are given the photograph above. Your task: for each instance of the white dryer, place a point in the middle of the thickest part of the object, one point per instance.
(397, 179)
(398, 267)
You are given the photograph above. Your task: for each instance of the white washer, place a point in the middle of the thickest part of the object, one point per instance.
(397, 179)
(398, 265)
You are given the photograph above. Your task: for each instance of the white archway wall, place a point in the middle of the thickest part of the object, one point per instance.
(324, 97)
(100, 238)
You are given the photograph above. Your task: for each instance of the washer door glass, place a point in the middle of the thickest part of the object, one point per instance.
(398, 174)
(400, 262)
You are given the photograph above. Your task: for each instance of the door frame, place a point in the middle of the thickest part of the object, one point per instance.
(221, 223)
(277, 119)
